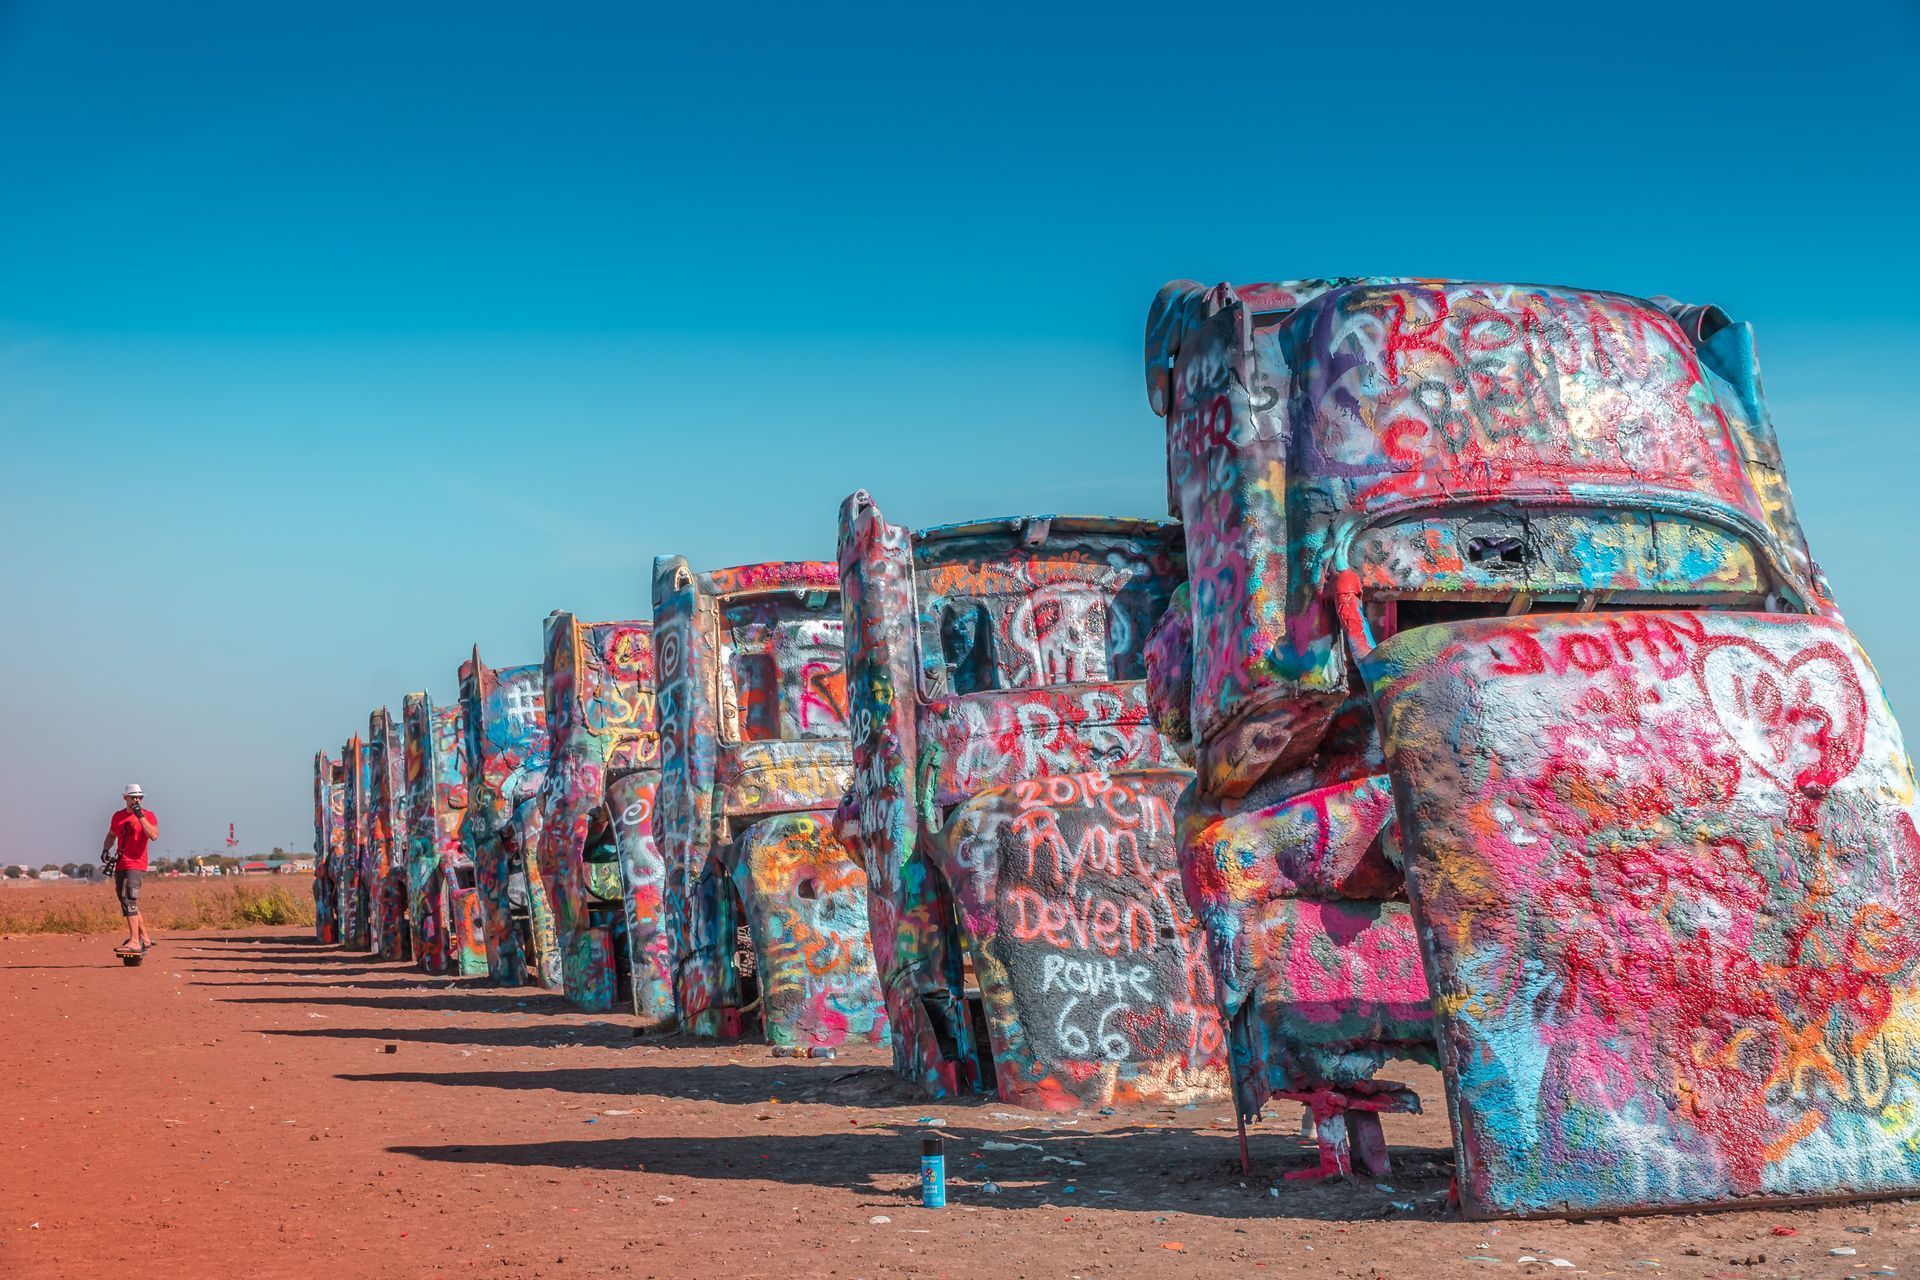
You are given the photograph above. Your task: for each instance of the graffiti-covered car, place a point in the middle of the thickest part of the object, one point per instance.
(356, 852)
(329, 835)
(597, 855)
(1013, 806)
(768, 912)
(387, 833)
(443, 905)
(505, 717)
(1498, 603)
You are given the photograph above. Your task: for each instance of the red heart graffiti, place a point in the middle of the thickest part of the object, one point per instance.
(1803, 721)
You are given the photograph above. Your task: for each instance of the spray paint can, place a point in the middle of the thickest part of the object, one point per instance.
(933, 1172)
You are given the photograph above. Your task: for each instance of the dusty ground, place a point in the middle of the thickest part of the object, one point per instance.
(231, 1108)
(77, 906)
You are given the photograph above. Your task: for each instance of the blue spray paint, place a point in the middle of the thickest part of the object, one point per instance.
(933, 1173)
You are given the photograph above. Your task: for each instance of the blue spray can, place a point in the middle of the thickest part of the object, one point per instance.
(933, 1173)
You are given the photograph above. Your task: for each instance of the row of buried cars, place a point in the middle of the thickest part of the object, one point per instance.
(1481, 706)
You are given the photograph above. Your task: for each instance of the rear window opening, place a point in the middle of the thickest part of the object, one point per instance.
(1504, 550)
(1390, 617)
(1405, 615)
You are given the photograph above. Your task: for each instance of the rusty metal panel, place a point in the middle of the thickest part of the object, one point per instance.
(753, 744)
(600, 717)
(1012, 803)
(507, 749)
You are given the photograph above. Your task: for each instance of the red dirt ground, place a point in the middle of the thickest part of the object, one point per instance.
(230, 1109)
(169, 902)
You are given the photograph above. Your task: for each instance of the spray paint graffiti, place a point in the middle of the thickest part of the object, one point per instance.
(506, 726)
(386, 755)
(355, 909)
(329, 804)
(1674, 949)
(766, 908)
(1428, 464)
(631, 799)
(607, 901)
(436, 809)
(1012, 804)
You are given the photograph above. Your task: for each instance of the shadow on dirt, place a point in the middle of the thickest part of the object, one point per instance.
(425, 983)
(780, 1080)
(547, 1036)
(1172, 1170)
(273, 954)
(276, 939)
(437, 997)
(294, 971)
(10, 968)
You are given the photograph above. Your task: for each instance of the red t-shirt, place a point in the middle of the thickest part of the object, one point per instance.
(130, 833)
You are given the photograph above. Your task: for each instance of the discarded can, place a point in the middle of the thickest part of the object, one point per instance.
(933, 1173)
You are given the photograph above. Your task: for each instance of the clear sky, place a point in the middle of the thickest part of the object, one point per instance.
(335, 338)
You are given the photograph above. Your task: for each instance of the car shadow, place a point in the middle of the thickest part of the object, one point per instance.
(288, 970)
(425, 983)
(276, 953)
(478, 999)
(280, 939)
(536, 1036)
(778, 1080)
(1141, 1168)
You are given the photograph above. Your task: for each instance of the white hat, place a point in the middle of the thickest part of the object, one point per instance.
(133, 789)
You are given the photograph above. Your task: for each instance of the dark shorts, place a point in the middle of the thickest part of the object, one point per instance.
(127, 885)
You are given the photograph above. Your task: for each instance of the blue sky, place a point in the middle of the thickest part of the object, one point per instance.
(337, 338)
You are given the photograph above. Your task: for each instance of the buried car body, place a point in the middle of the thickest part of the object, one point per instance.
(1499, 610)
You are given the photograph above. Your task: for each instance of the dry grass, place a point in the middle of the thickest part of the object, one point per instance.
(231, 902)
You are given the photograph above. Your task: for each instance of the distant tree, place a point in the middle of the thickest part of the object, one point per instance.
(50, 867)
(16, 873)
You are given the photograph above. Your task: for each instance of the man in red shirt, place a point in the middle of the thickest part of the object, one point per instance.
(128, 834)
